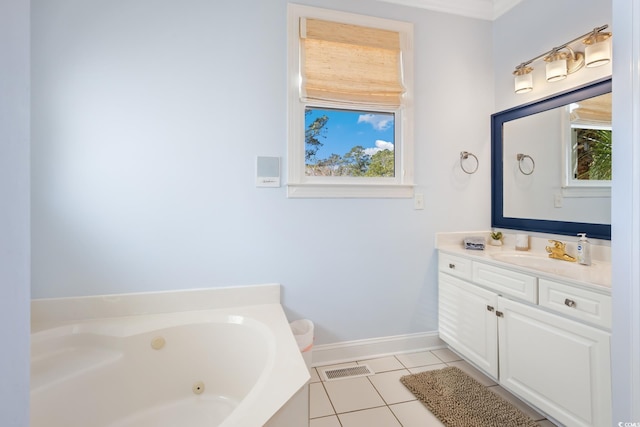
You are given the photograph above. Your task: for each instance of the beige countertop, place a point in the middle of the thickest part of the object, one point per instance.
(596, 276)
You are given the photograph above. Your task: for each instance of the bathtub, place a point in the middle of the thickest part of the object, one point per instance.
(122, 361)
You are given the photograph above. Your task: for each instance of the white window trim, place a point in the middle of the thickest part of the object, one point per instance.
(298, 184)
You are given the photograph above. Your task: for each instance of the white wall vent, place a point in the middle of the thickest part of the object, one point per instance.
(350, 372)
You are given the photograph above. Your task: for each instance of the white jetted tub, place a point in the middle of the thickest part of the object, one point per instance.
(127, 360)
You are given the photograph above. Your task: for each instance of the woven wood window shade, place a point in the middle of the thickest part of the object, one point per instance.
(350, 63)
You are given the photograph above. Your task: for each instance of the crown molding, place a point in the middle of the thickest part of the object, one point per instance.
(500, 7)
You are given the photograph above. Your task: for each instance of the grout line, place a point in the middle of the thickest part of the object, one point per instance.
(377, 391)
(394, 415)
(330, 401)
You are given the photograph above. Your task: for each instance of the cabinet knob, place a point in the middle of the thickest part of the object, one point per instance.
(569, 302)
(452, 266)
(499, 314)
(489, 308)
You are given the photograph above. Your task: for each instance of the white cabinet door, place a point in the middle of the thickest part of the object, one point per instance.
(557, 364)
(467, 321)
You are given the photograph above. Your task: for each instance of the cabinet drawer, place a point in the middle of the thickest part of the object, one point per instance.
(579, 303)
(454, 265)
(506, 282)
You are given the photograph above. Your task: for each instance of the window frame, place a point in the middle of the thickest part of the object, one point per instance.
(299, 185)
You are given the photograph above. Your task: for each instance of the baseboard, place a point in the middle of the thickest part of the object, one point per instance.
(346, 351)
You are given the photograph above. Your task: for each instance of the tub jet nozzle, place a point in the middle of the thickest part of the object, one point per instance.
(157, 343)
(198, 388)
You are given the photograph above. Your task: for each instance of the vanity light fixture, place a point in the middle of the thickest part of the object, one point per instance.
(563, 60)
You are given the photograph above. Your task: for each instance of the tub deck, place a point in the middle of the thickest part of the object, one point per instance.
(227, 366)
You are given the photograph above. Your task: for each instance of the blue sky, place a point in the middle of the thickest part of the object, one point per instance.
(346, 129)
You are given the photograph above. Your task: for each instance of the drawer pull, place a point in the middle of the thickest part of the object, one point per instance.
(489, 308)
(569, 303)
(452, 266)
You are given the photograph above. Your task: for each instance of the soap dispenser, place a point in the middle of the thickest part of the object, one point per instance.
(584, 250)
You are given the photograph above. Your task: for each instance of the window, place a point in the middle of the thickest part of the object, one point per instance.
(350, 105)
(345, 148)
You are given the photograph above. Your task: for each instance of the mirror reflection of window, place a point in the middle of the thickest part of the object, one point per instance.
(591, 153)
(590, 147)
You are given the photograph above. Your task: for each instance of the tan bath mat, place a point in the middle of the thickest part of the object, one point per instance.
(460, 401)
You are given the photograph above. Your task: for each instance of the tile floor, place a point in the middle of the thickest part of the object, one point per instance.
(381, 400)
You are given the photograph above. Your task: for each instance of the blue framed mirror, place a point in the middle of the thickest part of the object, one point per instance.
(543, 164)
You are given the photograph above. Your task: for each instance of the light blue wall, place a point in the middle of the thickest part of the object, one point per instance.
(147, 117)
(14, 213)
(534, 27)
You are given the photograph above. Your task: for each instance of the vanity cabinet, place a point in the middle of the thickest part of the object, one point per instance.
(544, 340)
(467, 322)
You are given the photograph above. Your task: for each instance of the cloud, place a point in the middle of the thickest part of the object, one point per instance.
(378, 121)
(380, 145)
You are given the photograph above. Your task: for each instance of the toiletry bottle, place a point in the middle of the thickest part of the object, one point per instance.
(584, 251)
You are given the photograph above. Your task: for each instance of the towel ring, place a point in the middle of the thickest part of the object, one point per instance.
(464, 155)
(521, 157)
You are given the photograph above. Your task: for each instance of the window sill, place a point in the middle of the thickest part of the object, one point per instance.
(586, 191)
(338, 191)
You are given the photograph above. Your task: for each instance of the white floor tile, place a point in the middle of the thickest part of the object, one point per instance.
(412, 360)
(446, 355)
(319, 404)
(331, 421)
(473, 373)
(382, 364)
(352, 394)
(427, 368)
(376, 417)
(390, 388)
(415, 414)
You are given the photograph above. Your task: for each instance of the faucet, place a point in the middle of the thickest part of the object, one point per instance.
(558, 251)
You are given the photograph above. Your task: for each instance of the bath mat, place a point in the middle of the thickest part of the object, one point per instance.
(460, 401)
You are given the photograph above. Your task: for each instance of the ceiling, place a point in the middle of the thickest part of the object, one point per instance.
(481, 9)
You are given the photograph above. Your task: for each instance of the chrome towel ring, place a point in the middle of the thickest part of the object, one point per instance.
(521, 157)
(464, 155)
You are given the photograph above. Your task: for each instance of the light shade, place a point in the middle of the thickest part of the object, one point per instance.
(350, 63)
(523, 80)
(598, 52)
(556, 66)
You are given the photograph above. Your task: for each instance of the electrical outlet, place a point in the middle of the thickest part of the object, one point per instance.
(418, 201)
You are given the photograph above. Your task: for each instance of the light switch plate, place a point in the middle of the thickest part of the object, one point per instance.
(557, 200)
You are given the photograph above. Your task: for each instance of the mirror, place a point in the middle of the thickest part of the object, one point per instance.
(538, 173)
